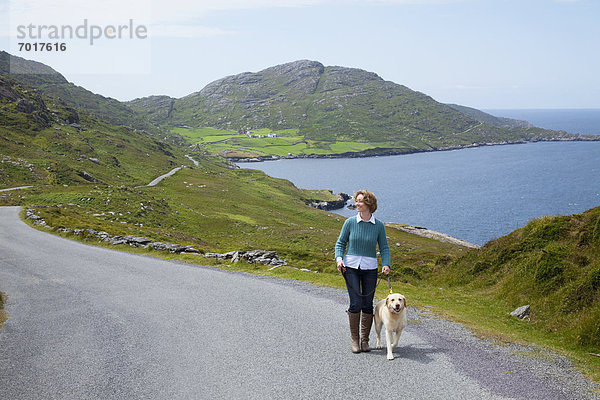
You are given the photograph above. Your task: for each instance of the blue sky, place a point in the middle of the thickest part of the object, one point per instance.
(479, 53)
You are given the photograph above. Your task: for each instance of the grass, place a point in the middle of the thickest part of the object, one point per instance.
(288, 142)
(3, 315)
(218, 209)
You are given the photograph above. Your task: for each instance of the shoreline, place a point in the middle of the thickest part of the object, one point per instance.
(428, 233)
(383, 152)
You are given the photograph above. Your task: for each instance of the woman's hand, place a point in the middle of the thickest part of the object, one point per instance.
(341, 267)
(385, 269)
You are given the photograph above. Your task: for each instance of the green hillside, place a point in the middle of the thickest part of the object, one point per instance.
(328, 108)
(44, 141)
(499, 122)
(553, 264)
(88, 173)
(52, 83)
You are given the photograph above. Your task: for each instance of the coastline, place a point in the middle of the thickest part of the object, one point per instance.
(523, 215)
(382, 152)
(428, 233)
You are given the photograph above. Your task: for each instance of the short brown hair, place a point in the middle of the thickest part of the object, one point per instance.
(368, 198)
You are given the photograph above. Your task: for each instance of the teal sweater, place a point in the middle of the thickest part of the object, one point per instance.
(362, 238)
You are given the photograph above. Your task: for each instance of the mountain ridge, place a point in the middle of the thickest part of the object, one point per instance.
(44, 78)
(332, 104)
(324, 105)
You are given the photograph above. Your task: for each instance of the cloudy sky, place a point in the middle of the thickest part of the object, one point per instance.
(480, 53)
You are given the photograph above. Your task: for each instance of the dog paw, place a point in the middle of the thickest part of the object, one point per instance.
(390, 356)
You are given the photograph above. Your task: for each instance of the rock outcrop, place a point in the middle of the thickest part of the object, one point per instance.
(131, 240)
(333, 204)
(253, 256)
(428, 233)
(521, 312)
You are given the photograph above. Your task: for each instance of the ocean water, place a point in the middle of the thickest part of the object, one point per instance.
(571, 120)
(475, 194)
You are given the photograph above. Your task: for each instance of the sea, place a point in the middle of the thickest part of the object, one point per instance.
(475, 194)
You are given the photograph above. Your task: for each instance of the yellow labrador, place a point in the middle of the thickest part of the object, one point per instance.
(390, 312)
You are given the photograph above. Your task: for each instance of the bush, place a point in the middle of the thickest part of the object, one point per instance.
(549, 266)
(589, 331)
(583, 294)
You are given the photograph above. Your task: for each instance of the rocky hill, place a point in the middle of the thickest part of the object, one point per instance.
(499, 122)
(51, 83)
(156, 108)
(330, 103)
(45, 141)
(323, 104)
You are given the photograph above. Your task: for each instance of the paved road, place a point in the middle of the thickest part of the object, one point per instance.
(15, 188)
(91, 323)
(160, 178)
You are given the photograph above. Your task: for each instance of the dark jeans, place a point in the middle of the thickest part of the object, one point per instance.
(363, 282)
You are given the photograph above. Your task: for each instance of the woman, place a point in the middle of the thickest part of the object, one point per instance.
(356, 257)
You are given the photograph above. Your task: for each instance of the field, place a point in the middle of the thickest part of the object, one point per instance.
(286, 143)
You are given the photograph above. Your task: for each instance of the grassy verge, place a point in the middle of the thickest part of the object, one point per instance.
(3, 315)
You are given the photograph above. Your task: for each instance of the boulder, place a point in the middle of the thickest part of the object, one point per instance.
(521, 312)
(30, 213)
(332, 205)
(173, 248)
(254, 256)
(88, 177)
(137, 241)
(131, 240)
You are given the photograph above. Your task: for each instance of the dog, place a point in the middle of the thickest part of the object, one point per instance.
(390, 312)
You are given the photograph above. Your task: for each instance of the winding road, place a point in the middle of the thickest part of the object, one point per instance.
(91, 323)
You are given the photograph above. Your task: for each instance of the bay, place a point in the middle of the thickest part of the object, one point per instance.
(474, 194)
(573, 120)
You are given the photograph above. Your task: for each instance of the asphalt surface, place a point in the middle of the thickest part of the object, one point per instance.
(168, 174)
(90, 323)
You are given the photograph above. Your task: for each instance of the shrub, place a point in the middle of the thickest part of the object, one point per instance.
(589, 330)
(584, 294)
(549, 266)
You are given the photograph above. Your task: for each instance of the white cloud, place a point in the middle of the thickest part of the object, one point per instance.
(99, 36)
(413, 1)
(187, 31)
(461, 87)
(180, 18)
(174, 18)
(74, 11)
(180, 11)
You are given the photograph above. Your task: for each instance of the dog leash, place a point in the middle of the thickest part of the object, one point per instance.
(373, 291)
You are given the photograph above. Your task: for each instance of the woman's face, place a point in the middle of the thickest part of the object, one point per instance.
(360, 205)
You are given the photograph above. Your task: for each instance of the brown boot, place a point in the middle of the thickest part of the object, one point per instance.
(366, 321)
(354, 319)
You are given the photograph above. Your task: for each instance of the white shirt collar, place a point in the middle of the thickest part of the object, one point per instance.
(358, 219)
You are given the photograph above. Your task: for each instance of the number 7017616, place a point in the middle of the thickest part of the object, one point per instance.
(42, 46)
